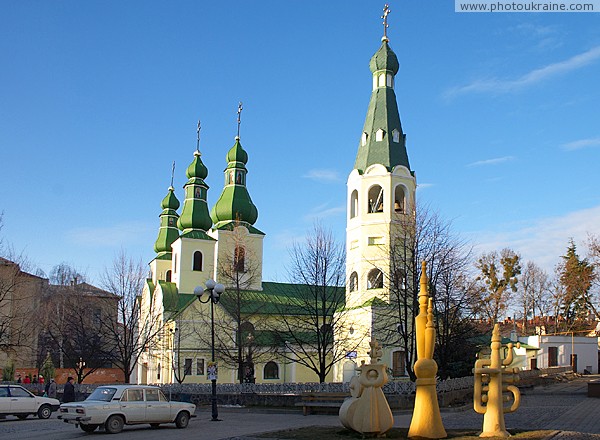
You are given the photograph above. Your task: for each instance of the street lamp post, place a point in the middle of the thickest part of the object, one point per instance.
(213, 291)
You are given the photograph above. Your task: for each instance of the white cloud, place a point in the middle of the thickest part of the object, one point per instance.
(424, 185)
(493, 161)
(542, 240)
(497, 86)
(323, 175)
(111, 236)
(582, 143)
(324, 211)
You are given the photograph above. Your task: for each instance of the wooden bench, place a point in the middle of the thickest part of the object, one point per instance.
(324, 401)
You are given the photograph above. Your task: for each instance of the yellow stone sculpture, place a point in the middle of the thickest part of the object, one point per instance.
(368, 411)
(492, 380)
(426, 420)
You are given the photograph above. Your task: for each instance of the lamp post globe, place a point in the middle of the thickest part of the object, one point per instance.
(213, 291)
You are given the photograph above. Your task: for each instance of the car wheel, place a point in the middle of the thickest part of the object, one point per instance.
(44, 412)
(88, 428)
(114, 424)
(154, 425)
(22, 416)
(182, 420)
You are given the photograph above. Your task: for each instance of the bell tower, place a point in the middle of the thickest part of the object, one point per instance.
(381, 196)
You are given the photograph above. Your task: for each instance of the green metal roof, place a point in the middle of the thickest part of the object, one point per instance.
(234, 202)
(278, 298)
(382, 114)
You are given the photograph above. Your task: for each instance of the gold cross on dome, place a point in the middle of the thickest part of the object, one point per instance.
(386, 11)
(239, 117)
(198, 137)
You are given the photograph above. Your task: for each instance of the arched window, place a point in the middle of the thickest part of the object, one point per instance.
(379, 135)
(168, 276)
(399, 280)
(363, 139)
(399, 199)
(353, 282)
(375, 279)
(239, 259)
(375, 199)
(197, 264)
(271, 370)
(354, 204)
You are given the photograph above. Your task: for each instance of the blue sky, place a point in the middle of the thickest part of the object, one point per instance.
(98, 98)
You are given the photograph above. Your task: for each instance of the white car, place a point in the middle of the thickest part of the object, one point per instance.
(114, 406)
(17, 401)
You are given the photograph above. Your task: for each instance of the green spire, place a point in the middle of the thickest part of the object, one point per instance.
(168, 231)
(194, 215)
(382, 140)
(235, 203)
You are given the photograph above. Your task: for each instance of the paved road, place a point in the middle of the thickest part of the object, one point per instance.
(562, 407)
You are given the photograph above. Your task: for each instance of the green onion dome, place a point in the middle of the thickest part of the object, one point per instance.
(168, 231)
(384, 59)
(197, 168)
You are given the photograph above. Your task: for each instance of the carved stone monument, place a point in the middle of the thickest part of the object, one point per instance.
(426, 420)
(492, 380)
(367, 411)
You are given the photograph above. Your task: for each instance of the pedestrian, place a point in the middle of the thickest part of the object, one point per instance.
(69, 391)
(51, 390)
(35, 379)
(27, 379)
(41, 379)
(19, 380)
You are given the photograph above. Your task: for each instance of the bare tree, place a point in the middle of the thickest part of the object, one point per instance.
(19, 296)
(64, 274)
(129, 334)
(314, 308)
(424, 236)
(534, 297)
(497, 282)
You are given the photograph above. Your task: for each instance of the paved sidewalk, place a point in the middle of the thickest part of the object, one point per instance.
(562, 407)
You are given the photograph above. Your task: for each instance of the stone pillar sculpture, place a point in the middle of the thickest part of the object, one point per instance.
(426, 420)
(367, 411)
(492, 380)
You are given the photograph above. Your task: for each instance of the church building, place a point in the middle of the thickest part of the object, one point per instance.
(224, 244)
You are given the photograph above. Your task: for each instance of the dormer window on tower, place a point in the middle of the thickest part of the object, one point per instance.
(364, 138)
(197, 261)
(375, 199)
(395, 136)
(379, 135)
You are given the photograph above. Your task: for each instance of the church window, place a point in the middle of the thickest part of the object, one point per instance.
(375, 199)
(354, 204)
(197, 264)
(398, 363)
(399, 280)
(353, 282)
(390, 81)
(375, 279)
(379, 135)
(399, 199)
(395, 136)
(363, 139)
(372, 241)
(381, 80)
(168, 276)
(271, 370)
(239, 259)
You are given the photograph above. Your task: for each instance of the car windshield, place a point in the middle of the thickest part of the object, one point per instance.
(103, 394)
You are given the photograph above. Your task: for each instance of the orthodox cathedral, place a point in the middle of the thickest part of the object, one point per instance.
(196, 244)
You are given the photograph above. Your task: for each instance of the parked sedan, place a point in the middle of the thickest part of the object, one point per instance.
(114, 406)
(17, 401)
